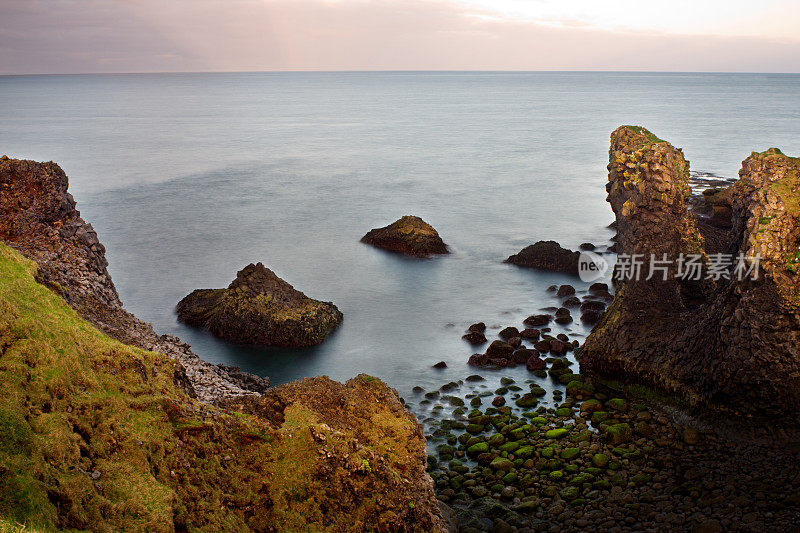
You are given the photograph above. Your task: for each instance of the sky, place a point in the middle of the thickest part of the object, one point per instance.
(83, 36)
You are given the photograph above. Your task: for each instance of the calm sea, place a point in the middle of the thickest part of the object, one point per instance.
(189, 177)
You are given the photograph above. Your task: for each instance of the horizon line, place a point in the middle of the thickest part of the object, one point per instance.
(400, 71)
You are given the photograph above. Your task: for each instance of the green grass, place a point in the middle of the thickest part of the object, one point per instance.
(650, 136)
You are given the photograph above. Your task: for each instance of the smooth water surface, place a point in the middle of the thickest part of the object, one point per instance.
(189, 177)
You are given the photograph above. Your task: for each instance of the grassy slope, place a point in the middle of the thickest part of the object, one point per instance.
(95, 434)
(88, 425)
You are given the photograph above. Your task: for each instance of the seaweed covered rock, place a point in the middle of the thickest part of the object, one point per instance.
(409, 235)
(547, 255)
(260, 308)
(730, 339)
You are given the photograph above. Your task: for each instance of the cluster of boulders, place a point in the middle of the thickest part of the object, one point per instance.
(599, 459)
(526, 346)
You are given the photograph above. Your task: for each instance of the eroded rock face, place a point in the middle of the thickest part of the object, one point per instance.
(260, 308)
(547, 255)
(38, 217)
(409, 235)
(722, 343)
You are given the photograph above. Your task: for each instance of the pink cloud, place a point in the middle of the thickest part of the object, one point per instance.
(189, 35)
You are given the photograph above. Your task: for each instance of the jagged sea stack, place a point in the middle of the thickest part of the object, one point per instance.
(409, 235)
(260, 308)
(726, 343)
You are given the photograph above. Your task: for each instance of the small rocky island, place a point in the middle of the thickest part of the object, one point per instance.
(409, 235)
(260, 308)
(547, 255)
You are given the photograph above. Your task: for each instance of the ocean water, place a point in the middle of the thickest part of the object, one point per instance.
(189, 177)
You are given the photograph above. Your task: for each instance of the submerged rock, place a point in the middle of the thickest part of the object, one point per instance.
(409, 235)
(260, 308)
(547, 255)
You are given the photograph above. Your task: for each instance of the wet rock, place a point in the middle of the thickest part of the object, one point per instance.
(558, 347)
(547, 255)
(410, 235)
(508, 333)
(499, 349)
(440, 364)
(601, 287)
(565, 290)
(498, 401)
(260, 308)
(538, 320)
(572, 301)
(475, 338)
(530, 333)
(478, 327)
(535, 363)
(587, 247)
(523, 354)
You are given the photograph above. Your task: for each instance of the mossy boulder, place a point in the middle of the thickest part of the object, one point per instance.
(502, 464)
(619, 433)
(558, 433)
(260, 308)
(477, 449)
(410, 235)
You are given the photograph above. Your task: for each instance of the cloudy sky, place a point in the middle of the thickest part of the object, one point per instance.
(68, 36)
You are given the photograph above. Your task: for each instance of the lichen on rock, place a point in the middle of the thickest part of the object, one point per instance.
(410, 235)
(260, 308)
(728, 342)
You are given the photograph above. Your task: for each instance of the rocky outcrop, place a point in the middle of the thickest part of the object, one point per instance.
(547, 255)
(38, 217)
(260, 308)
(713, 341)
(409, 235)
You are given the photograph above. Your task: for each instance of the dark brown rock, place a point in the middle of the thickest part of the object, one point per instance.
(409, 235)
(475, 337)
(499, 349)
(538, 320)
(565, 290)
(547, 255)
(509, 332)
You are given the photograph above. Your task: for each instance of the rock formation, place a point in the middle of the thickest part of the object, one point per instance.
(260, 308)
(39, 219)
(409, 235)
(547, 255)
(714, 342)
(104, 436)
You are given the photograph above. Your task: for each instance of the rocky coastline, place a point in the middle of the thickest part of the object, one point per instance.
(118, 428)
(676, 413)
